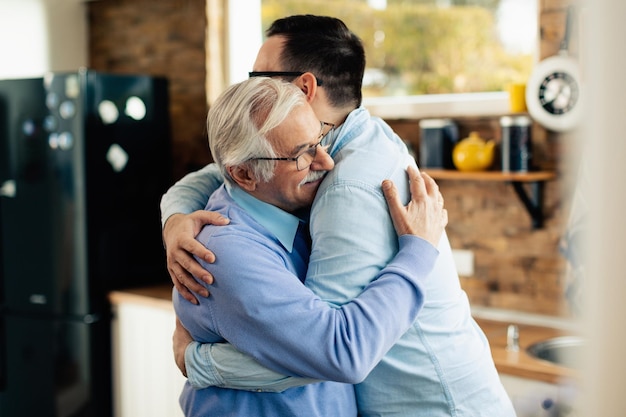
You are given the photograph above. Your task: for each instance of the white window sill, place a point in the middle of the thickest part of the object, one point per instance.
(439, 105)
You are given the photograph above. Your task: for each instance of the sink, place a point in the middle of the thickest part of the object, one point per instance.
(564, 351)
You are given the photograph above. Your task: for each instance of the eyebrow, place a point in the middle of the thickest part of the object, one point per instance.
(299, 148)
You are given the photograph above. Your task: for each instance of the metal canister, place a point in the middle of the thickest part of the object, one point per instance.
(516, 145)
(437, 139)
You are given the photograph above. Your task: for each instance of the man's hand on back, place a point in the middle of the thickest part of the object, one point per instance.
(424, 215)
(179, 237)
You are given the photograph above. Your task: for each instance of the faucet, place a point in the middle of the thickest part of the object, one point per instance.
(512, 338)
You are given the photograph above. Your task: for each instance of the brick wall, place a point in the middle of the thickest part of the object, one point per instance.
(165, 38)
(515, 267)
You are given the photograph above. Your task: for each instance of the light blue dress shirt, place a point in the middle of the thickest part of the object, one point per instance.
(259, 304)
(442, 366)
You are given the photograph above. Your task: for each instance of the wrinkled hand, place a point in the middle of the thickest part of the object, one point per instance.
(180, 340)
(180, 245)
(424, 216)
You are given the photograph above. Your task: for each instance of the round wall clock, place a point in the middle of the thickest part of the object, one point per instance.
(553, 93)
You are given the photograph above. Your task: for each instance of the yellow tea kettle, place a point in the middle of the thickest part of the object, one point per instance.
(473, 153)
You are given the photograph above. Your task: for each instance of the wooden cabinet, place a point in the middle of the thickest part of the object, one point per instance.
(146, 381)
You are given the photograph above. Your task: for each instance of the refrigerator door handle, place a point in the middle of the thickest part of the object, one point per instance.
(8, 189)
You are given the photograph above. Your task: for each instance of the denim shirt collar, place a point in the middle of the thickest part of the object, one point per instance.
(352, 127)
(281, 224)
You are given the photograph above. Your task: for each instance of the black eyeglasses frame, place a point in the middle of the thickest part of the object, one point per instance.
(312, 150)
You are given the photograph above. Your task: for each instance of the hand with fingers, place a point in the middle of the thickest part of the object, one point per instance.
(425, 215)
(180, 246)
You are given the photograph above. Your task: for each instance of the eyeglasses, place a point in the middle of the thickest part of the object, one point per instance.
(279, 74)
(306, 158)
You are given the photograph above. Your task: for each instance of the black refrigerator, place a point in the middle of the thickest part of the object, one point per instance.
(84, 160)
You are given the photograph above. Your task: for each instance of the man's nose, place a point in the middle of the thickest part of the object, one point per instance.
(322, 160)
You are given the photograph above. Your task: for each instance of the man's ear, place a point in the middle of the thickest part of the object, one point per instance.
(243, 177)
(308, 84)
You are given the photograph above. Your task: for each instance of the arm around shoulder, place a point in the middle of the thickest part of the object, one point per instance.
(190, 193)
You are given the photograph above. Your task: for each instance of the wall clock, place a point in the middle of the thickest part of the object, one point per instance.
(554, 90)
(554, 93)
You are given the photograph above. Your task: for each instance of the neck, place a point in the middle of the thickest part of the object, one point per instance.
(334, 115)
(325, 111)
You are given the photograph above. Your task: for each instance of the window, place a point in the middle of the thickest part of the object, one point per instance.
(427, 57)
(38, 36)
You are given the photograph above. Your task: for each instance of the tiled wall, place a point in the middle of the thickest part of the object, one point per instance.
(515, 267)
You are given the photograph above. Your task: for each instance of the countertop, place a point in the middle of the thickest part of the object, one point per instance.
(159, 296)
(519, 364)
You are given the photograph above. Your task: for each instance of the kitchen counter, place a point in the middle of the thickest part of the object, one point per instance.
(156, 296)
(519, 364)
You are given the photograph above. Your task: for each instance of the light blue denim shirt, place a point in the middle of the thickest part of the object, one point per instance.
(442, 366)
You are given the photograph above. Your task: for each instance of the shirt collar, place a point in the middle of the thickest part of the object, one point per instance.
(281, 224)
(353, 126)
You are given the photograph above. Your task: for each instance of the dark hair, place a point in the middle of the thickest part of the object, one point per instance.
(326, 47)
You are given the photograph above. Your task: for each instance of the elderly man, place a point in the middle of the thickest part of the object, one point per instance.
(268, 144)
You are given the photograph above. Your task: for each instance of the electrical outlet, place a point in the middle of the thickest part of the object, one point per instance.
(464, 260)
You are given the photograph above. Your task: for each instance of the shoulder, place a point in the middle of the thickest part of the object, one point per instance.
(243, 233)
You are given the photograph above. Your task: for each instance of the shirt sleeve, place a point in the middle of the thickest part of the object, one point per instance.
(191, 192)
(221, 365)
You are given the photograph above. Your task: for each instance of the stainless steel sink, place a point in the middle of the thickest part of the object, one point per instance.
(564, 351)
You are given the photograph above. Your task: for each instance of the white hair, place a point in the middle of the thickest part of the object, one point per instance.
(241, 118)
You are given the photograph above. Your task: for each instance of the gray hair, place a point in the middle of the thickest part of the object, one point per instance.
(242, 116)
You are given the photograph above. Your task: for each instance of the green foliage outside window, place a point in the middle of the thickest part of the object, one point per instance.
(415, 47)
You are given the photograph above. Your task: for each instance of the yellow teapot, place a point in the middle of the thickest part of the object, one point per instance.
(473, 153)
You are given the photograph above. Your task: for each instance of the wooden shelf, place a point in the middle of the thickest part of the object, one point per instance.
(535, 180)
(446, 174)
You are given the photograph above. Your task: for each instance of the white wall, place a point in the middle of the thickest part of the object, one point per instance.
(37, 36)
(605, 145)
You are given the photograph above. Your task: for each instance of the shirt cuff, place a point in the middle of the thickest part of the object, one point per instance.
(201, 370)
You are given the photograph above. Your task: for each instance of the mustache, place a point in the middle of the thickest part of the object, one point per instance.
(313, 176)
